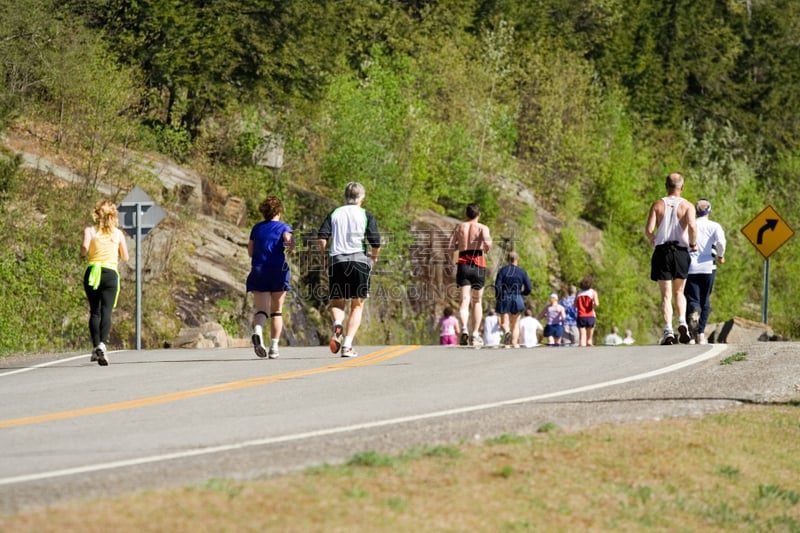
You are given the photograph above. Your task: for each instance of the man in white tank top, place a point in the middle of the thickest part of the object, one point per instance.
(672, 230)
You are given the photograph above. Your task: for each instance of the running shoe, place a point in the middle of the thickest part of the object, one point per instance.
(464, 339)
(507, 338)
(258, 346)
(694, 321)
(273, 353)
(668, 338)
(102, 358)
(683, 334)
(701, 338)
(93, 359)
(349, 352)
(336, 339)
(477, 341)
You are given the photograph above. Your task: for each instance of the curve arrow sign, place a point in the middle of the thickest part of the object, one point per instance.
(771, 224)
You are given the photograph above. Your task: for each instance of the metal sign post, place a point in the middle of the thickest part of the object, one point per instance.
(138, 215)
(767, 232)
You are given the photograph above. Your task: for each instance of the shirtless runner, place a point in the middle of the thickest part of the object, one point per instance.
(471, 239)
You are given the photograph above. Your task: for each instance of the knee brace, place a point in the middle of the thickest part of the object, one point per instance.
(275, 314)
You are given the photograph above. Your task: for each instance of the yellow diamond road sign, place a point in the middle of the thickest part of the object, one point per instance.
(767, 231)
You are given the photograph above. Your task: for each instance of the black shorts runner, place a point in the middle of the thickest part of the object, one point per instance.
(669, 262)
(348, 279)
(470, 274)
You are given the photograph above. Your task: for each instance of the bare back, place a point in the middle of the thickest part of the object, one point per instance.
(470, 235)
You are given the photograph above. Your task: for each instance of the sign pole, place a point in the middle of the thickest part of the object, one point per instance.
(138, 216)
(138, 212)
(765, 306)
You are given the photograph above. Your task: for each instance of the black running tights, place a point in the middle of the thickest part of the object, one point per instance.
(101, 303)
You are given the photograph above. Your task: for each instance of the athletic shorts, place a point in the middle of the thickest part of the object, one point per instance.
(348, 279)
(265, 278)
(586, 321)
(554, 330)
(514, 305)
(470, 274)
(669, 262)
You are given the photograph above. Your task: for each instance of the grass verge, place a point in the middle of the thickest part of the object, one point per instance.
(733, 471)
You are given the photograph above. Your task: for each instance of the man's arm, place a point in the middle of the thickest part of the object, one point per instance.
(691, 224)
(720, 244)
(452, 244)
(487, 239)
(373, 237)
(650, 225)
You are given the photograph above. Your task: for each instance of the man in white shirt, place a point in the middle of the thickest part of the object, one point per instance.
(703, 270)
(529, 330)
(613, 338)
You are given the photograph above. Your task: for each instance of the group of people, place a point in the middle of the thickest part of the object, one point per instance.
(687, 247)
(511, 323)
(471, 240)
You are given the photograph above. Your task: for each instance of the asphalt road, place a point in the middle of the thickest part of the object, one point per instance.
(72, 429)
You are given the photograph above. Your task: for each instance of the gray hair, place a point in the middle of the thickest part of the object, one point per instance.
(354, 192)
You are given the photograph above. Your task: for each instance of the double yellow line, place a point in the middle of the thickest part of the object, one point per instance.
(374, 357)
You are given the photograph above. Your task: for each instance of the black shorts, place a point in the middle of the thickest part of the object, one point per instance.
(470, 274)
(348, 279)
(669, 262)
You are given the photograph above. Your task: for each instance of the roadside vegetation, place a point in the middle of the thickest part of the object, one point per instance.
(734, 471)
(583, 105)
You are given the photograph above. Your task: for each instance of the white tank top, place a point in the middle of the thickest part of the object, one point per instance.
(670, 229)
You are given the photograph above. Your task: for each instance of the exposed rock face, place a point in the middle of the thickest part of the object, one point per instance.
(740, 331)
(208, 335)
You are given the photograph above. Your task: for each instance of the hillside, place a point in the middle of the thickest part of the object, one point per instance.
(195, 262)
(559, 118)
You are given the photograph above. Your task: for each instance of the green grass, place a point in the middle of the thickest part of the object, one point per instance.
(732, 471)
(735, 358)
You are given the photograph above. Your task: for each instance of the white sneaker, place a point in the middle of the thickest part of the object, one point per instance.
(668, 338)
(348, 352)
(273, 352)
(477, 341)
(258, 346)
(701, 338)
(100, 352)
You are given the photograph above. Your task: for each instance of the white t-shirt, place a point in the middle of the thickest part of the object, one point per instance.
(709, 234)
(528, 328)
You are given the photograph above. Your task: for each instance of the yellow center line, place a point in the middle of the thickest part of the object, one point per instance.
(374, 357)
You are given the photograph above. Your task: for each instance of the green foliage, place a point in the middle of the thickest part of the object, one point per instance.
(735, 358)
(9, 175)
(582, 104)
(41, 292)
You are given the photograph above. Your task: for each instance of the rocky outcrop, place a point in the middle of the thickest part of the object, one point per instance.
(208, 335)
(740, 331)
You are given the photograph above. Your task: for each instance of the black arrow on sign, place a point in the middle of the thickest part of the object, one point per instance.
(771, 224)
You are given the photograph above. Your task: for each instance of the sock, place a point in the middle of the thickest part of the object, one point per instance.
(348, 342)
(335, 323)
(668, 327)
(258, 331)
(274, 343)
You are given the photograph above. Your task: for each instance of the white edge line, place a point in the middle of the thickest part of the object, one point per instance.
(50, 363)
(715, 349)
